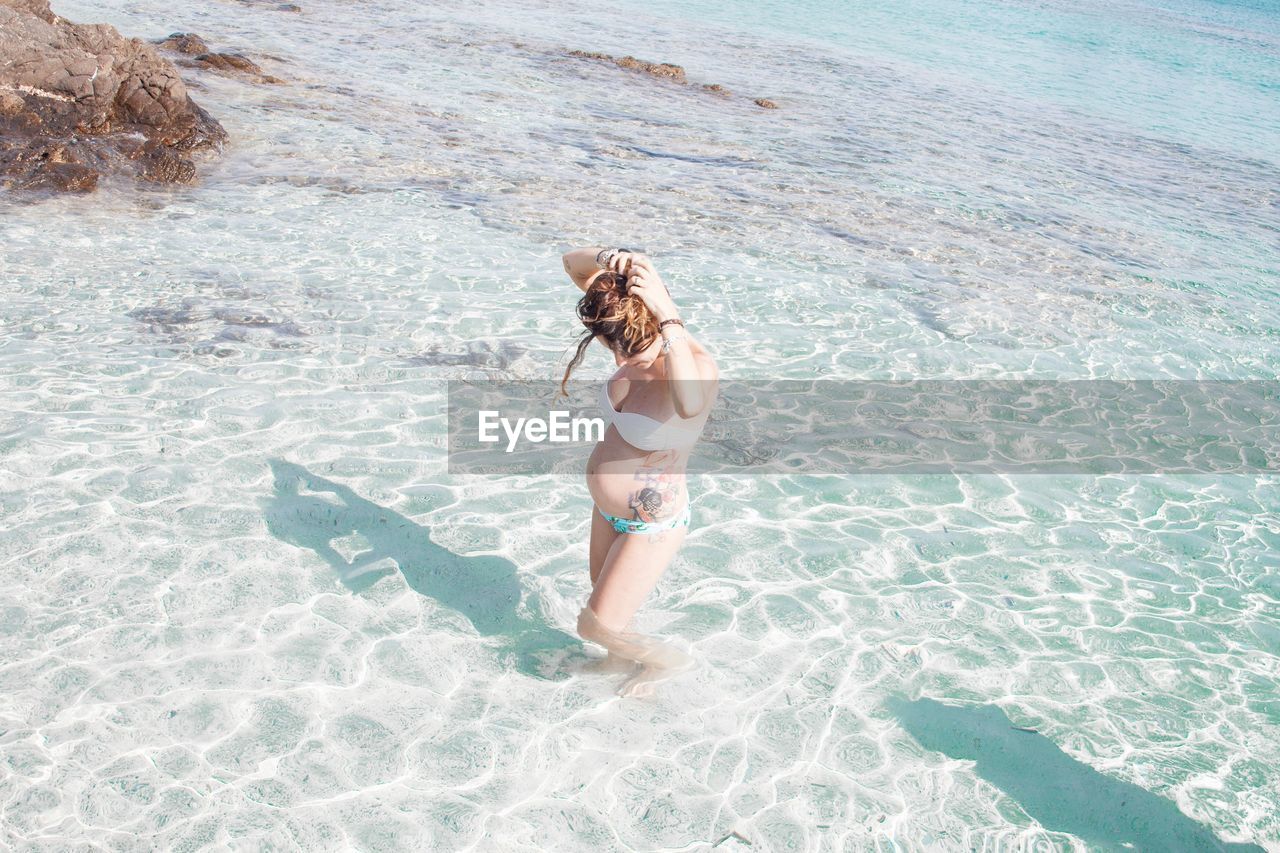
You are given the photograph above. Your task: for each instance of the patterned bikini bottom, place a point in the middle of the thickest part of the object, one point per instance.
(635, 525)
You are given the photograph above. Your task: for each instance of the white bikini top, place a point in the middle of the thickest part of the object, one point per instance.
(646, 433)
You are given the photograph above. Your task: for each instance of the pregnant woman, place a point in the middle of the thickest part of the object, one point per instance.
(656, 405)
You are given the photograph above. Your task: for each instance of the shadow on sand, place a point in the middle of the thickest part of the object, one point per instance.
(1062, 794)
(484, 588)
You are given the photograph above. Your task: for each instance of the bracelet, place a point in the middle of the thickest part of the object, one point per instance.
(673, 322)
(605, 255)
(667, 342)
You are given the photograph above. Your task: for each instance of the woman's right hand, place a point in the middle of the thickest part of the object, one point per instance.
(621, 261)
(643, 280)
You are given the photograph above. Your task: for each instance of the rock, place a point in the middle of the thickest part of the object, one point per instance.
(279, 7)
(662, 69)
(229, 62)
(191, 45)
(10, 104)
(80, 100)
(657, 69)
(188, 43)
(34, 164)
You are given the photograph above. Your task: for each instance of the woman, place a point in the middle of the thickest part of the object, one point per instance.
(656, 405)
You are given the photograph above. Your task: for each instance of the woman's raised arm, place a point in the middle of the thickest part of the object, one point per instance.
(581, 265)
(584, 264)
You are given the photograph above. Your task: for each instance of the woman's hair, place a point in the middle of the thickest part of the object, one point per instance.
(608, 311)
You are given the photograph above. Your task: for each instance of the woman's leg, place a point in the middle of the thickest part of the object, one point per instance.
(634, 564)
(602, 537)
(632, 568)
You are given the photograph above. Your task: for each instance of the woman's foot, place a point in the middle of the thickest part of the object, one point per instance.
(643, 682)
(609, 664)
(629, 645)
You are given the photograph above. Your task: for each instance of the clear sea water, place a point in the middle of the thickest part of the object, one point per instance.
(244, 605)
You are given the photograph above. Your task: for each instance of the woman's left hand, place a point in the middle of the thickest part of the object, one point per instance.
(643, 280)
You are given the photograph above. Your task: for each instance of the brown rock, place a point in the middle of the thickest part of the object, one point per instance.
(78, 101)
(229, 62)
(10, 104)
(279, 7)
(657, 69)
(39, 8)
(42, 164)
(664, 70)
(188, 43)
(191, 45)
(164, 165)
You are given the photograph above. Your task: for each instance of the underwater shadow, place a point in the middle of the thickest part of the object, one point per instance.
(1062, 794)
(484, 588)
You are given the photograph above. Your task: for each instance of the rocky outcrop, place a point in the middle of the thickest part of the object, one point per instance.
(196, 54)
(657, 69)
(664, 70)
(80, 100)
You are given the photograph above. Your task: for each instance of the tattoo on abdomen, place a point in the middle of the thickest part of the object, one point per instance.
(649, 500)
(658, 488)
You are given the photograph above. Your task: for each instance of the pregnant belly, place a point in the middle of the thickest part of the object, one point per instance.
(632, 483)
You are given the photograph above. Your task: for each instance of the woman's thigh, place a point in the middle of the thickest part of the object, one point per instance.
(631, 570)
(602, 538)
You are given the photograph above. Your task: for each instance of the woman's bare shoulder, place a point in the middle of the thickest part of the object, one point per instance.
(707, 367)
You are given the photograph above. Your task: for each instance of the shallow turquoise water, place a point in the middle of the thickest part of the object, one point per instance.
(240, 607)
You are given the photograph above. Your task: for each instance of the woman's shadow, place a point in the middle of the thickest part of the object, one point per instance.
(484, 588)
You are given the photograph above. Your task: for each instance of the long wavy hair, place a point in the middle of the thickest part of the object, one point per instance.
(610, 312)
